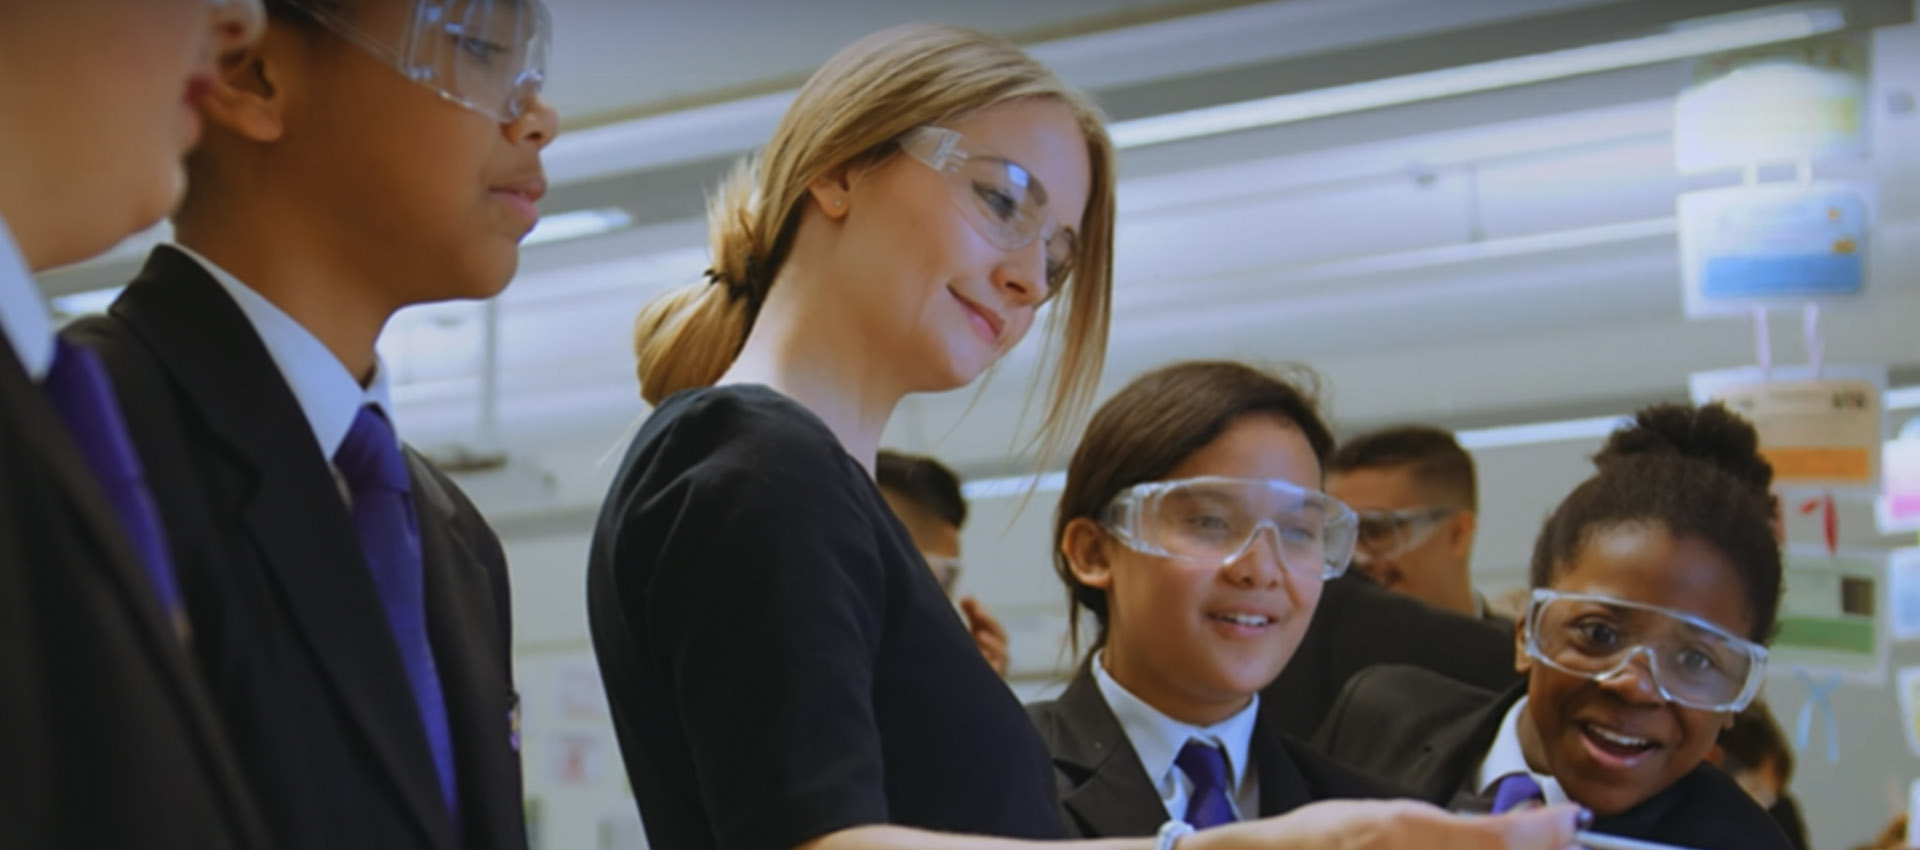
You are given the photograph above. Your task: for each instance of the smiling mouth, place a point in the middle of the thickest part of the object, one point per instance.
(1251, 621)
(991, 324)
(1615, 743)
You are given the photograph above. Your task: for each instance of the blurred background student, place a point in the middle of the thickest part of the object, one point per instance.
(927, 498)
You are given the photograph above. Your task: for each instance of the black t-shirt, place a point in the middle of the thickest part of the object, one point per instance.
(780, 662)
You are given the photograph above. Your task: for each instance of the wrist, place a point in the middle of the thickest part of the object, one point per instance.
(1170, 835)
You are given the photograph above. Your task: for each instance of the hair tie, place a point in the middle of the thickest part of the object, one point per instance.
(738, 290)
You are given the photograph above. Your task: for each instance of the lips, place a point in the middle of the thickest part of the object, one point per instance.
(993, 324)
(524, 196)
(1614, 747)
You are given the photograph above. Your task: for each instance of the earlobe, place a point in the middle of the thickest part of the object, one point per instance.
(1084, 546)
(833, 192)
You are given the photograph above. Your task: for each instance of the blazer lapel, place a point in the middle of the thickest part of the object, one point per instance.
(1111, 791)
(460, 612)
(1282, 787)
(295, 516)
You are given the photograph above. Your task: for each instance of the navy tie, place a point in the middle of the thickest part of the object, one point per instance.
(1516, 791)
(376, 475)
(1206, 767)
(78, 387)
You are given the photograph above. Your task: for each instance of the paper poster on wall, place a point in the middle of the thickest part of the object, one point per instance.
(578, 759)
(1907, 687)
(1831, 618)
(1823, 432)
(1897, 510)
(1780, 244)
(1903, 594)
(1784, 102)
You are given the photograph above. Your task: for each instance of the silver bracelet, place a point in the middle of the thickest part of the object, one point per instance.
(1170, 832)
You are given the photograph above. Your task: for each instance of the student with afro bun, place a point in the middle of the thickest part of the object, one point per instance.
(1655, 585)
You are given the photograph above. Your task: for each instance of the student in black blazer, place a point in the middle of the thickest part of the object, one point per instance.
(1192, 527)
(107, 736)
(350, 606)
(1654, 584)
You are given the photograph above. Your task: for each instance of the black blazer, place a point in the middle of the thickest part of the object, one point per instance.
(1429, 733)
(1360, 624)
(1106, 793)
(290, 632)
(107, 738)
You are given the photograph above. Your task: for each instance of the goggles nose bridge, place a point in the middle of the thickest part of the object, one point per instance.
(1648, 673)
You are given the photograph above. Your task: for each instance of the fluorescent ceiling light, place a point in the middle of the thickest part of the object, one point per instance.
(1903, 398)
(1680, 43)
(578, 224)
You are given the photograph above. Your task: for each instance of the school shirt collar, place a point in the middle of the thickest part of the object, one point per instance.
(328, 394)
(1157, 739)
(1505, 757)
(23, 315)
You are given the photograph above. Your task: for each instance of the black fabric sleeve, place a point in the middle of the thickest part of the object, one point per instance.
(765, 604)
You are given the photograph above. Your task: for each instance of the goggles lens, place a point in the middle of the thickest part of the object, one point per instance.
(1003, 201)
(1384, 534)
(1692, 662)
(489, 56)
(1214, 521)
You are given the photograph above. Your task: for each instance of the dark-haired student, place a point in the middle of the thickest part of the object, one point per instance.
(350, 605)
(1193, 529)
(927, 499)
(1656, 583)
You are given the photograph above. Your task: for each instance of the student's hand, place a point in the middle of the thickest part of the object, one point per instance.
(1392, 825)
(987, 634)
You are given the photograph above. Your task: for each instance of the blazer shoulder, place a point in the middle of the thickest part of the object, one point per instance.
(1384, 698)
(1709, 809)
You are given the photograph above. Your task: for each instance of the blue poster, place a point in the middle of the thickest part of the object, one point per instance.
(1773, 244)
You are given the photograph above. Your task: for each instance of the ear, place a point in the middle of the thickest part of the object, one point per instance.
(1465, 523)
(833, 192)
(1717, 756)
(249, 99)
(1085, 546)
(1522, 662)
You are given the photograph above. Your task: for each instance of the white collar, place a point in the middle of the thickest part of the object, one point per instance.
(328, 394)
(1506, 757)
(1157, 738)
(23, 314)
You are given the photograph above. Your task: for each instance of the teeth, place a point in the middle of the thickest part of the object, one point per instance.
(1618, 739)
(1244, 619)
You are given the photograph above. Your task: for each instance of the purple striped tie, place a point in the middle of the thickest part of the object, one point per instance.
(1206, 766)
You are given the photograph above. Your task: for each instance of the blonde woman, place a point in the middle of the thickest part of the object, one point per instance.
(784, 671)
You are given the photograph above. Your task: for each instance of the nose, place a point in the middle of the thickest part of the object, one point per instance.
(235, 23)
(1633, 679)
(537, 126)
(1260, 564)
(1022, 274)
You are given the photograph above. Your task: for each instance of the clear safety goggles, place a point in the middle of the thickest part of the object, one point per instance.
(1384, 534)
(489, 56)
(1003, 200)
(1690, 661)
(1214, 521)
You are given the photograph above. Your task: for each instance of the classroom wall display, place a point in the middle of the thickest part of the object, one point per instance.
(1783, 102)
(1832, 616)
(1897, 510)
(1820, 430)
(1779, 244)
(1903, 595)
